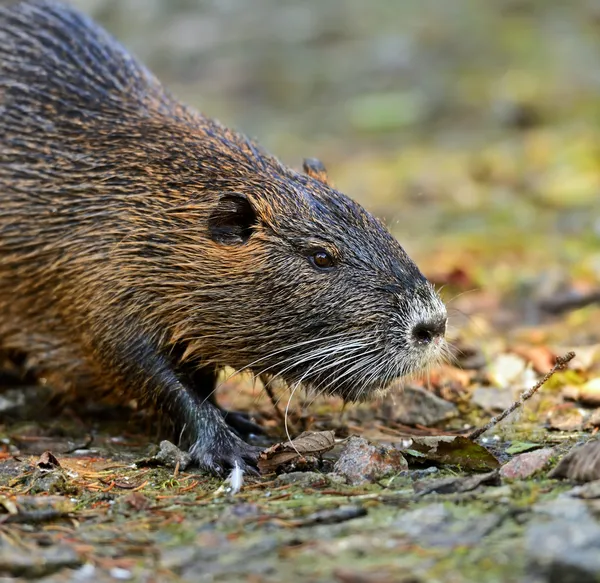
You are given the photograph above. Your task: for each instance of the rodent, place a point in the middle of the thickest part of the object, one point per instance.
(144, 246)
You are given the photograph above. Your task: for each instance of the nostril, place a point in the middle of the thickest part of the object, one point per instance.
(426, 332)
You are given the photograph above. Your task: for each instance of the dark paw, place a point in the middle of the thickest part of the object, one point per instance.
(241, 423)
(224, 452)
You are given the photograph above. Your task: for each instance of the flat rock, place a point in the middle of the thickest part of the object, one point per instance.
(301, 478)
(566, 419)
(588, 491)
(436, 526)
(565, 551)
(416, 406)
(17, 562)
(458, 484)
(492, 398)
(362, 461)
(563, 508)
(171, 456)
(526, 464)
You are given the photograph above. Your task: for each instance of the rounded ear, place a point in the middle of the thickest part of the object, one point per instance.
(232, 220)
(315, 169)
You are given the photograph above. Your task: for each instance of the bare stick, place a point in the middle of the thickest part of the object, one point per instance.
(561, 364)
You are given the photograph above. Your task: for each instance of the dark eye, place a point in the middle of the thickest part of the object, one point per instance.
(321, 259)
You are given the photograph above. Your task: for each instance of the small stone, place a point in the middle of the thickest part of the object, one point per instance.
(593, 420)
(526, 464)
(507, 369)
(362, 461)
(18, 562)
(171, 456)
(121, 574)
(565, 551)
(588, 491)
(416, 406)
(492, 398)
(301, 478)
(566, 419)
(436, 526)
(459, 484)
(54, 482)
(563, 508)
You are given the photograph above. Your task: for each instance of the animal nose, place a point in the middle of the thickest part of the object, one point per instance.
(427, 331)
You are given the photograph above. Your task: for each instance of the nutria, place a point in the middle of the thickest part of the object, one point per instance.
(143, 246)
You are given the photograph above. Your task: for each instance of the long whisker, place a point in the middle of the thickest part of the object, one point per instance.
(335, 362)
(362, 364)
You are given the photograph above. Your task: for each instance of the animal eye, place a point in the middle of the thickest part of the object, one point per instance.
(321, 259)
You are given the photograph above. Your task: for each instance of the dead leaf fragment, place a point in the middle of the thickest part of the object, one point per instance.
(454, 450)
(47, 462)
(581, 464)
(309, 443)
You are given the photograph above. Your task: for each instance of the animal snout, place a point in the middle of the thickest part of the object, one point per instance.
(428, 331)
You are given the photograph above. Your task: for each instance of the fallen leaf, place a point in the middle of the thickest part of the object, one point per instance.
(454, 450)
(313, 443)
(580, 464)
(47, 461)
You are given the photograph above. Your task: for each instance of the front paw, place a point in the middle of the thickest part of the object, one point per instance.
(223, 451)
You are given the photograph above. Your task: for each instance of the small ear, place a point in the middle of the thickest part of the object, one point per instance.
(315, 169)
(232, 220)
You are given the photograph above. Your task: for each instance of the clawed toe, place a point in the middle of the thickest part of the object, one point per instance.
(222, 455)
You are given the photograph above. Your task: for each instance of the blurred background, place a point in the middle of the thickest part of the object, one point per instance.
(472, 128)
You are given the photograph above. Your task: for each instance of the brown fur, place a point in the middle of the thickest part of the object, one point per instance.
(143, 246)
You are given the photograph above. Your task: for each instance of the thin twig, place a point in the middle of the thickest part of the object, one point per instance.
(561, 364)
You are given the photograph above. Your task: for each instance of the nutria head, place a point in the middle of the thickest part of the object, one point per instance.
(139, 214)
(295, 279)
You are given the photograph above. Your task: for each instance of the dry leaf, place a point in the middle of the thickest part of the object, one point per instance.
(313, 443)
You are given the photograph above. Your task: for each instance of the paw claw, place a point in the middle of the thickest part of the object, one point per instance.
(222, 455)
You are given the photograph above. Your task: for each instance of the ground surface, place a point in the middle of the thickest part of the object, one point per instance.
(472, 128)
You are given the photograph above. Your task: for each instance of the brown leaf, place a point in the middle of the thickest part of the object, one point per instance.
(313, 443)
(581, 464)
(47, 461)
